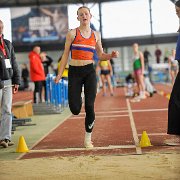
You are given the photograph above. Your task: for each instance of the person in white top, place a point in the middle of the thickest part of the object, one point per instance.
(173, 66)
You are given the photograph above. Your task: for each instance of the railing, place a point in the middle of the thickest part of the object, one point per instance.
(56, 93)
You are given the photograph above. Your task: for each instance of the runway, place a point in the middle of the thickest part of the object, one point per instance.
(118, 128)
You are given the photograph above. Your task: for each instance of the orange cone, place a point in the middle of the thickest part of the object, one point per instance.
(22, 147)
(145, 141)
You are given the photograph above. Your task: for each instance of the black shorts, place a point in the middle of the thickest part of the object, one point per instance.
(105, 72)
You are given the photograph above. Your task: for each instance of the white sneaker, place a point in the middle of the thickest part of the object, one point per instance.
(135, 99)
(142, 97)
(88, 144)
(87, 140)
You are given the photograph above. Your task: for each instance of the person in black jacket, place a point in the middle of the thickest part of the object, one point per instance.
(174, 103)
(9, 82)
(25, 76)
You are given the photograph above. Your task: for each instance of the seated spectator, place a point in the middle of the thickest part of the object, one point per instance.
(130, 85)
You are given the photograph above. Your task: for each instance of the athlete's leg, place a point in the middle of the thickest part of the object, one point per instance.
(140, 79)
(103, 80)
(172, 77)
(37, 91)
(137, 81)
(90, 89)
(108, 78)
(74, 91)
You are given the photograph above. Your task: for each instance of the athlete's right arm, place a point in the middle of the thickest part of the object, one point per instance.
(101, 54)
(69, 38)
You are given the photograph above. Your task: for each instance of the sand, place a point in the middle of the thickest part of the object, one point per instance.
(129, 167)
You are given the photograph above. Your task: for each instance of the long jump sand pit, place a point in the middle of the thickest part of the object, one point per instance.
(154, 166)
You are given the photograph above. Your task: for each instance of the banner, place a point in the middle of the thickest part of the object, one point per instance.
(42, 24)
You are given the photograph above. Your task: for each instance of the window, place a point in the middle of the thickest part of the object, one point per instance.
(6, 19)
(164, 18)
(125, 18)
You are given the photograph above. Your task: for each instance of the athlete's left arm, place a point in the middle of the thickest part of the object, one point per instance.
(101, 54)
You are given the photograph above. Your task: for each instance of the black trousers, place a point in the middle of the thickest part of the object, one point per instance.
(174, 108)
(45, 90)
(79, 76)
(38, 91)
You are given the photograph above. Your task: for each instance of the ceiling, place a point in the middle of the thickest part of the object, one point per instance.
(21, 3)
(107, 43)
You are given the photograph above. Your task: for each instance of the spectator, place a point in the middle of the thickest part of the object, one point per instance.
(173, 66)
(166, 55)
(47, 62)
(9, 79)
(147, 54)
(130, 85)
(158, 54)
(25, 76)
(37, 73)
(148, 85)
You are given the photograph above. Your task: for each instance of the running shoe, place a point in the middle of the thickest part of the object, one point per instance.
(136, 99)
(88, 144)
(142, 97)
(3, 143)
(10, 143)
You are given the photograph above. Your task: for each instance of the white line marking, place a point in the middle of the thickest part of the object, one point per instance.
(109, 112)
(149, 110)
(116, 109)
(81, 149)
(137, 110)
(113, 116)
(105, 112)
(133, 127)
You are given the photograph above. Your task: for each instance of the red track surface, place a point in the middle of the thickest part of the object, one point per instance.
(113, 131)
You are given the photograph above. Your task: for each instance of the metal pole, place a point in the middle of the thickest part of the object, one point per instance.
(100, 18)
(150, 13)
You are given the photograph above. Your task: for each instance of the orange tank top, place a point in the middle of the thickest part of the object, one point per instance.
(83, 48)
